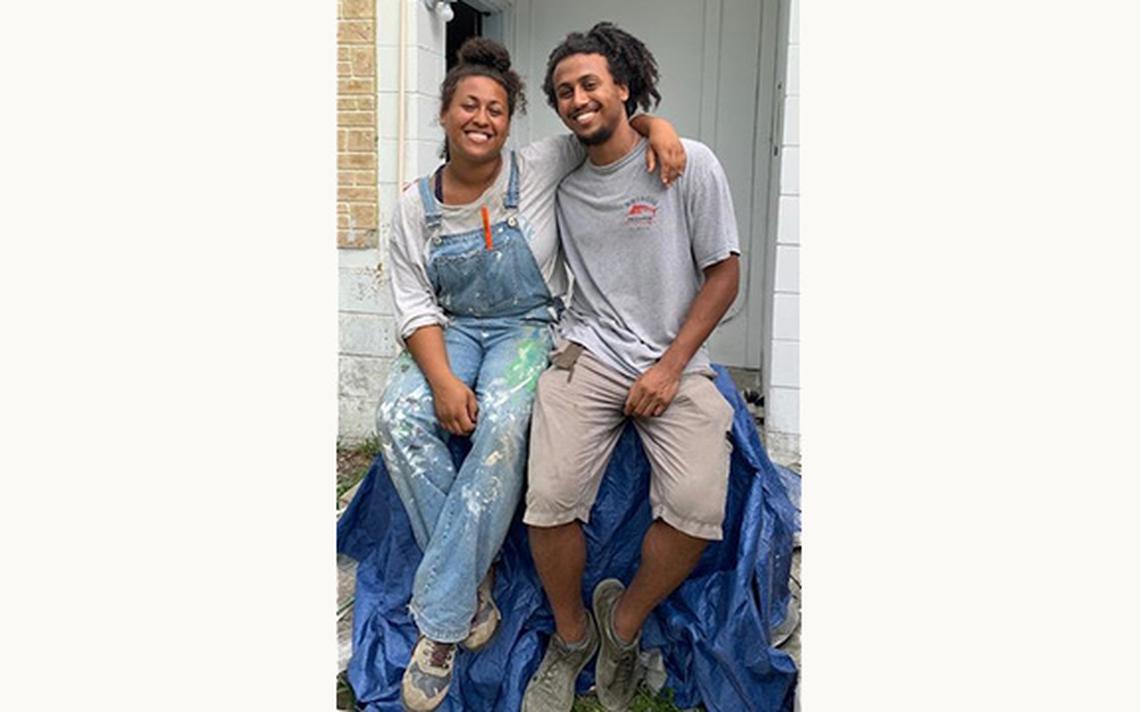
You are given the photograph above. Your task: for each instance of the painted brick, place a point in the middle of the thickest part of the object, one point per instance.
(786, 316)
(792, 121)
(429, 28)
(792, 81)
(426, 157)
(429, 68)
(357, 9)
(361, 377)
(424, 116)
(388, 197)
(355, 31)
(367, 335)
(794, 23)
(788, 231)
(790, 171)
(787, 268)
(783, 448)
(786, 363)
(357, 419)
(388, 67)
(387, 115)
(362, 289)
(388, 26)
(782, 410)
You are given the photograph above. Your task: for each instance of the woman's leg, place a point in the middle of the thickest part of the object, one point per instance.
(485, 494)
(412, 442)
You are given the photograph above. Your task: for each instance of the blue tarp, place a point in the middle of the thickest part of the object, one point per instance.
(713, 632)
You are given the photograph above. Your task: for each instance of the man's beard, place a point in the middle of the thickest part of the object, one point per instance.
(598, 137)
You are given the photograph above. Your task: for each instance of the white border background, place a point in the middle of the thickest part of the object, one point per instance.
(168, 285)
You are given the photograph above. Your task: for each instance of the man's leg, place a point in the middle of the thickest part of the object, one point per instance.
(688, 450)
(668, 556)
(577, 421)
(560, 558)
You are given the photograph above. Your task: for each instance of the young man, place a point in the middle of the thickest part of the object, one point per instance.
(655, 270)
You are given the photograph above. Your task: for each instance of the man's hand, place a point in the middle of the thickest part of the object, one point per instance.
(653, 391)
(665, 148)
(456, 408)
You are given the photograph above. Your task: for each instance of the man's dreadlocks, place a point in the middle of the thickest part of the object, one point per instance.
(630, 61)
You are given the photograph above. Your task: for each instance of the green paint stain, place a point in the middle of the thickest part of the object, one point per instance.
(528, 364)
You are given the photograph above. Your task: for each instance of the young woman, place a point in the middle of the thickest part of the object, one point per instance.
(477, 279)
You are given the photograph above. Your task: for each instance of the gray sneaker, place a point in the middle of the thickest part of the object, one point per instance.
(487, 616)
(616, 671)
(428, 676)
(552, 687)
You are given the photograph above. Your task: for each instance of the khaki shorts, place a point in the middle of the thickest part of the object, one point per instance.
(576, 424)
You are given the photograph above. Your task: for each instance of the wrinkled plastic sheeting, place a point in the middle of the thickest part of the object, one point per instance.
(713, 632)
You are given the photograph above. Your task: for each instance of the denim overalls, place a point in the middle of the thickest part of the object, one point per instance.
(497, 343)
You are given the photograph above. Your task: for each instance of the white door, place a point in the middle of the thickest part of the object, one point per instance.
(717, 64)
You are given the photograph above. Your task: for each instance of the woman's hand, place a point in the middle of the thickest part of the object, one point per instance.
(665, 148)
(456, 408)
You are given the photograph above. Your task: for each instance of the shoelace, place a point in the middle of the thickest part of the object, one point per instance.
(626, 664)
(562, 660)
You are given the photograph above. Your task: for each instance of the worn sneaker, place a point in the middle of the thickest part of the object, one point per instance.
(616, 670)
(428, 676)
(487, 616)
(552, 687)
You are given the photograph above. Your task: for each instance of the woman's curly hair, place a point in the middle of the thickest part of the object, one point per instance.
(630, 61)
(481, 57)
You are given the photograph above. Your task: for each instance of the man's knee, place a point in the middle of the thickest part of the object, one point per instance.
(552, 501)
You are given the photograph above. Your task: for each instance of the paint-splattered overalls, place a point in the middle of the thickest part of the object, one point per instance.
(497, 343)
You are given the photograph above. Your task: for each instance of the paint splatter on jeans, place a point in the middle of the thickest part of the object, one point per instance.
(460, 518)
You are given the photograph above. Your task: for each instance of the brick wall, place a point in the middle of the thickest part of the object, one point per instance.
(782, 406)
(366, 320)
(357, 207)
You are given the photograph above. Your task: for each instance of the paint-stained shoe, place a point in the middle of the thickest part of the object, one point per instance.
(487, 616)
(616, 671)
(552, 687)
(428, 676)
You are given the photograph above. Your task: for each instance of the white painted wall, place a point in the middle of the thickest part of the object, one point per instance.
(782, 405)
(367, 325)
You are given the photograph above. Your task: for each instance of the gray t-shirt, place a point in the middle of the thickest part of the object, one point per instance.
(637, 251)
(541, 165)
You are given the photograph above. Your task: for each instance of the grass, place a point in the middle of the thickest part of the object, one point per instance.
(352, 464)
(644, 702)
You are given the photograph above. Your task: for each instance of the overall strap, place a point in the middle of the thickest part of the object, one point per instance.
(511, 202)
(433, 215)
